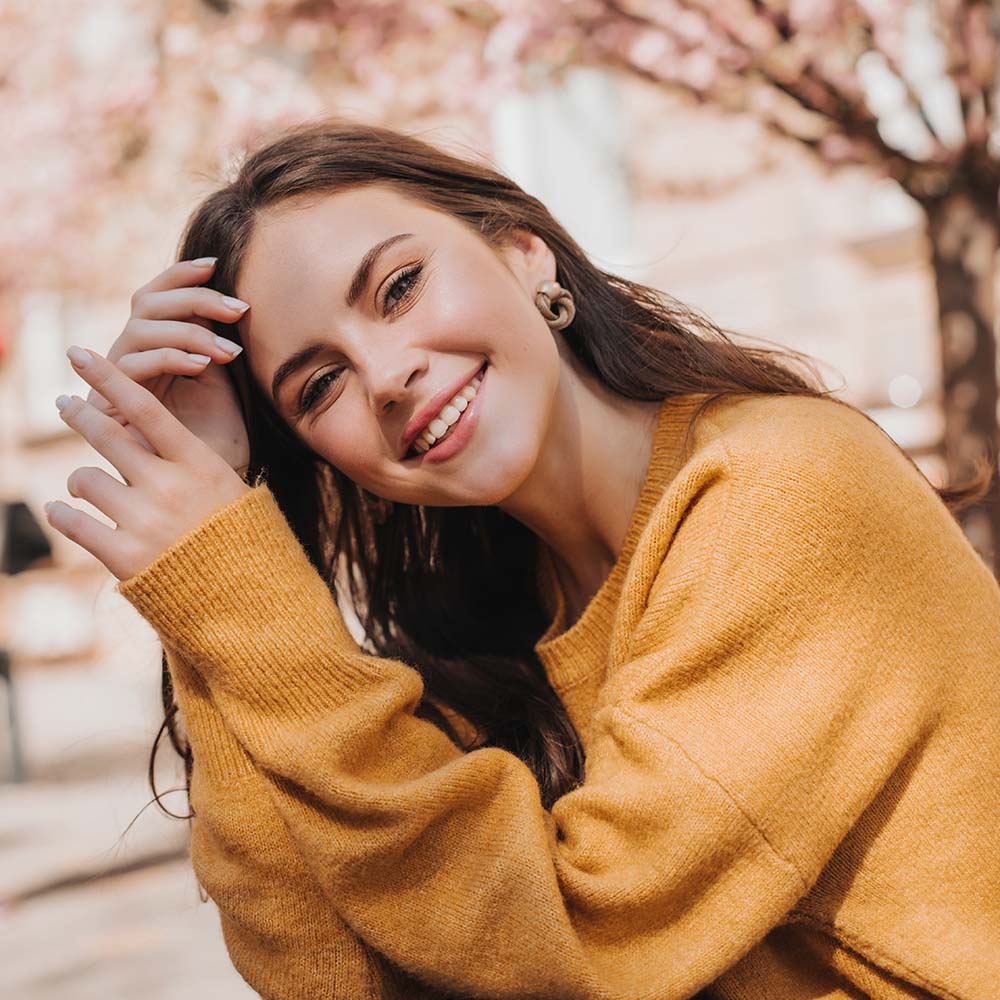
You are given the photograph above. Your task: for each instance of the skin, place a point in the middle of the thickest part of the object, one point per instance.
(554, 448)
(170, 483)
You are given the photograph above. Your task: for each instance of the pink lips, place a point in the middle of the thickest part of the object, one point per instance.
(431, 410)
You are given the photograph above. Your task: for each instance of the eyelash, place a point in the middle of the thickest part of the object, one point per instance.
(312, 395)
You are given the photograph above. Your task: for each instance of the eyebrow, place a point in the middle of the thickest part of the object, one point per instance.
(358, 284)
(360, 280)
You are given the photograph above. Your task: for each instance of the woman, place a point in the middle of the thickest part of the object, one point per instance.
(637, 544)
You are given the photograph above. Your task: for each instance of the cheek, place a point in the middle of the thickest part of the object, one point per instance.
(350, 451)
(469, 306)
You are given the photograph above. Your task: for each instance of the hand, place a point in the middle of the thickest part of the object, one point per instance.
(157, 345)
(172, 483)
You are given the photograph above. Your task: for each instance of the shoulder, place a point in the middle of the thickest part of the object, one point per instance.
(805, 457)
(786, 435)
(795, 492)
(792, 517)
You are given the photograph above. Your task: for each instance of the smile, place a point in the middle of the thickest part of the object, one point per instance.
(456, 435)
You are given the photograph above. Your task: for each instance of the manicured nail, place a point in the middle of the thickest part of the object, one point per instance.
(62, 402)
(200, 359)
(78, 356)
(228, 346)
(236, 303)
(204, 261)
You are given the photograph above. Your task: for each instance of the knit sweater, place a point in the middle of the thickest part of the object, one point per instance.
(787, 690)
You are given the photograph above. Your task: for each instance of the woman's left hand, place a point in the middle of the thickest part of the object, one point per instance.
(166, 493)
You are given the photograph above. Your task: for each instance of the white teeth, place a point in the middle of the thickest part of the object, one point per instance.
(449, 415)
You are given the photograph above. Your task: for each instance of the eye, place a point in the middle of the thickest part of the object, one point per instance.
(317, 389)
(400, 288)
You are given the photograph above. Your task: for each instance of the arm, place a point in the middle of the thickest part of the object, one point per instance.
(730, 753)
(282, 934)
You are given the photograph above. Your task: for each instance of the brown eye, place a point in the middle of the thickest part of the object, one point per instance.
(316, 389)
(401, 288)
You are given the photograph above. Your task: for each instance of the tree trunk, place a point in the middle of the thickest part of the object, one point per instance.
(964, 233)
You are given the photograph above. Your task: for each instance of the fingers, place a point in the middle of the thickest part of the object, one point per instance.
(176, 340)
(135, 434)
(168, 436)
(149, 334)
(98, 539)
(184, 272)
(183, 303)
(147, 366)
(107, 494)
(175, 311)
(107, 437)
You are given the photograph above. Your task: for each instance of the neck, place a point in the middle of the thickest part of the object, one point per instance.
(585, 485)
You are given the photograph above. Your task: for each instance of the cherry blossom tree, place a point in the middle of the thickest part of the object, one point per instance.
(114, 110)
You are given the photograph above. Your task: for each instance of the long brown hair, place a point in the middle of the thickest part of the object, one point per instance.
(452, 591)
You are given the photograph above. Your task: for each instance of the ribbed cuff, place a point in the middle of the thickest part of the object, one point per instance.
(238, 597)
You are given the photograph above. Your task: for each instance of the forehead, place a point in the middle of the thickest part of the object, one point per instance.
(303, 254)
(324, 237)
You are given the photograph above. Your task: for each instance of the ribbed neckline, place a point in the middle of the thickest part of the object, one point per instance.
(564, 651)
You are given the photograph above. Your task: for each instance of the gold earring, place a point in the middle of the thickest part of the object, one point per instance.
(551, 294)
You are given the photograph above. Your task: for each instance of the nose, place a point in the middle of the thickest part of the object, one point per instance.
(390, 379)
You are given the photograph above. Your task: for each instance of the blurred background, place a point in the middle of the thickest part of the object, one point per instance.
(817, 174)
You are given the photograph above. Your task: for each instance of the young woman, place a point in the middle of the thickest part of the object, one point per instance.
(577, 523)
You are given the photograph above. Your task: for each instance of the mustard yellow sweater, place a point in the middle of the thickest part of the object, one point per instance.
(788, 689)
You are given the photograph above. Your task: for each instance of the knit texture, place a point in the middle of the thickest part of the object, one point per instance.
(787, 689)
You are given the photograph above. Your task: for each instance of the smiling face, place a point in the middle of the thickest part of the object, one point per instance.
(437, 303)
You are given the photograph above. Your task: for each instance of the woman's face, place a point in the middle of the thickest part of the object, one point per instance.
(437, 303)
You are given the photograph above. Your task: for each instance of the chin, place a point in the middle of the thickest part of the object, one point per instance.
(483, 483)
(504, 470)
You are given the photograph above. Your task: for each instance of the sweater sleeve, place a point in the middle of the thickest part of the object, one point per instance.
(283, 935)
(731, 750)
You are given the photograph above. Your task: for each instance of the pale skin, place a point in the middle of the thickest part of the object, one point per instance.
(554, 448)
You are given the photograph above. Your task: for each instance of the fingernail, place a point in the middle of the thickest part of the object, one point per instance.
(47, 507)
(236, 303)
(200, 359)
(228, 346)
(62, 402)
(204, 261)
(78, 356)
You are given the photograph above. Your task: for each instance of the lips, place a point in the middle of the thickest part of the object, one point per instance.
(434, 407)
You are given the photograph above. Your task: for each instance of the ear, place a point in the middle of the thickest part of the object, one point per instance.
(529, 258)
